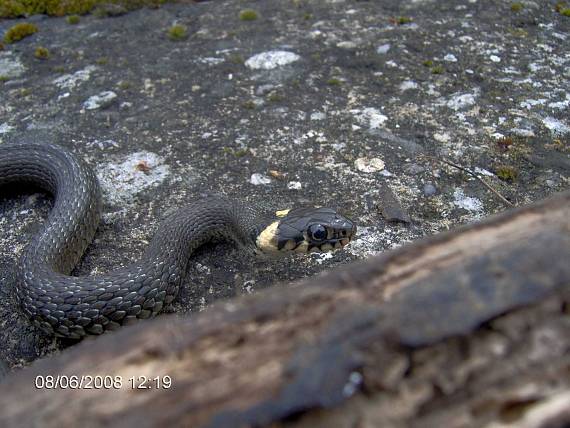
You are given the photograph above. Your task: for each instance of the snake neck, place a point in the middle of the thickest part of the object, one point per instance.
(210, 219)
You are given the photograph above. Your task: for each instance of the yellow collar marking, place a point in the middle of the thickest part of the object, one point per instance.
(282, 213)
(267, 239)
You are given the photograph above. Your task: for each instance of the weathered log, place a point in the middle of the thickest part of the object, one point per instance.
(461, 329)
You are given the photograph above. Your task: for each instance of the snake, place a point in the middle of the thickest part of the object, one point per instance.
(71, 306)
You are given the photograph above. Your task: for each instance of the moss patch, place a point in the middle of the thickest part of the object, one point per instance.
(73, 19)
(438, 69)
(249, 104)
(248, 15)
(177, 32)
(18, 8)
(19, 31)
(41, 53)
(507, 172)
(401, 20)
(517, 7)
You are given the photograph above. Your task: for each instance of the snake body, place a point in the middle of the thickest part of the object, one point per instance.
(73, 307)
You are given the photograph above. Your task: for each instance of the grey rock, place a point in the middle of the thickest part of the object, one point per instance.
(429, 189)
(414, 169)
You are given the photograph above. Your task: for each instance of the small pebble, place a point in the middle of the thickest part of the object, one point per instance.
(414, 169)
(429, 189)
(369, 164)
(259, 179)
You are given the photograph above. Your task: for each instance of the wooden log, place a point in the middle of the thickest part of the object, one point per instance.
(461, 329)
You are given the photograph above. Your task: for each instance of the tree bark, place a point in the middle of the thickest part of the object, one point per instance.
(467, 328)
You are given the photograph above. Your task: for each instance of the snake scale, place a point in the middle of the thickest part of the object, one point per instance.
(73, 307)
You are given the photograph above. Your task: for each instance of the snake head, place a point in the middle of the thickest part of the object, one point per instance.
(304, 230)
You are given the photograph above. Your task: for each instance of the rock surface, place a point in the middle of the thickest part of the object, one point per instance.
(474, 81)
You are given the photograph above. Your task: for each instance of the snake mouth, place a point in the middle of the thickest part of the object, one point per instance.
(332, 245)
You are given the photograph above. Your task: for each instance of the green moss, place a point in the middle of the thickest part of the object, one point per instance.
(248, 15)
(565, 12)
(41, 53)
(275, 97)
(17, 8)
(124, 85)
(560, 6)
(1, 46)
(333, 81)
(428, 63)
(24, 92)
(73, 19)
(11, 9)
(58, 69)
(249, 104)
(4, 78)
(102, 61)
(507, 172)
(307, 16)
(402, 20)
(239, 153)
(177, 32)
(236, 58)
(19, 31)
(438, 69)
(517, 7)
(518, 32)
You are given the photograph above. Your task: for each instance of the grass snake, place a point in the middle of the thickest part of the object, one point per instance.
(73, 307)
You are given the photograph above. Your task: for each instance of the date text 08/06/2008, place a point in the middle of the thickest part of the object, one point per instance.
(101, 382)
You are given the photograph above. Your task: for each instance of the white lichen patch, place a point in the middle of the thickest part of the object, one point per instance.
(124, 180)
(318, 115)
(294, 185)
(70, 81)
(103, 144)
(271, 59)
(528, 104)
(258, 179)
(468, 203)
(408, 84)
(450, 58)
(11, 66)
(370, 117)
(462, 101)
(555, 126)
(369, 164)
(5, 128)
(383, 49)
(102, 100)
(442, 137)
(483, 171)
(372, 240)
(209, 60)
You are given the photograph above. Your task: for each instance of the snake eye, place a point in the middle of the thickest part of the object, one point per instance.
(317, 232)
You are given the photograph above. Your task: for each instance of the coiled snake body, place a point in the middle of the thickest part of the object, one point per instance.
(75, 306)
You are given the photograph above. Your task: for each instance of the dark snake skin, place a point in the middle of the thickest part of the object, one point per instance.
(75, 306)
